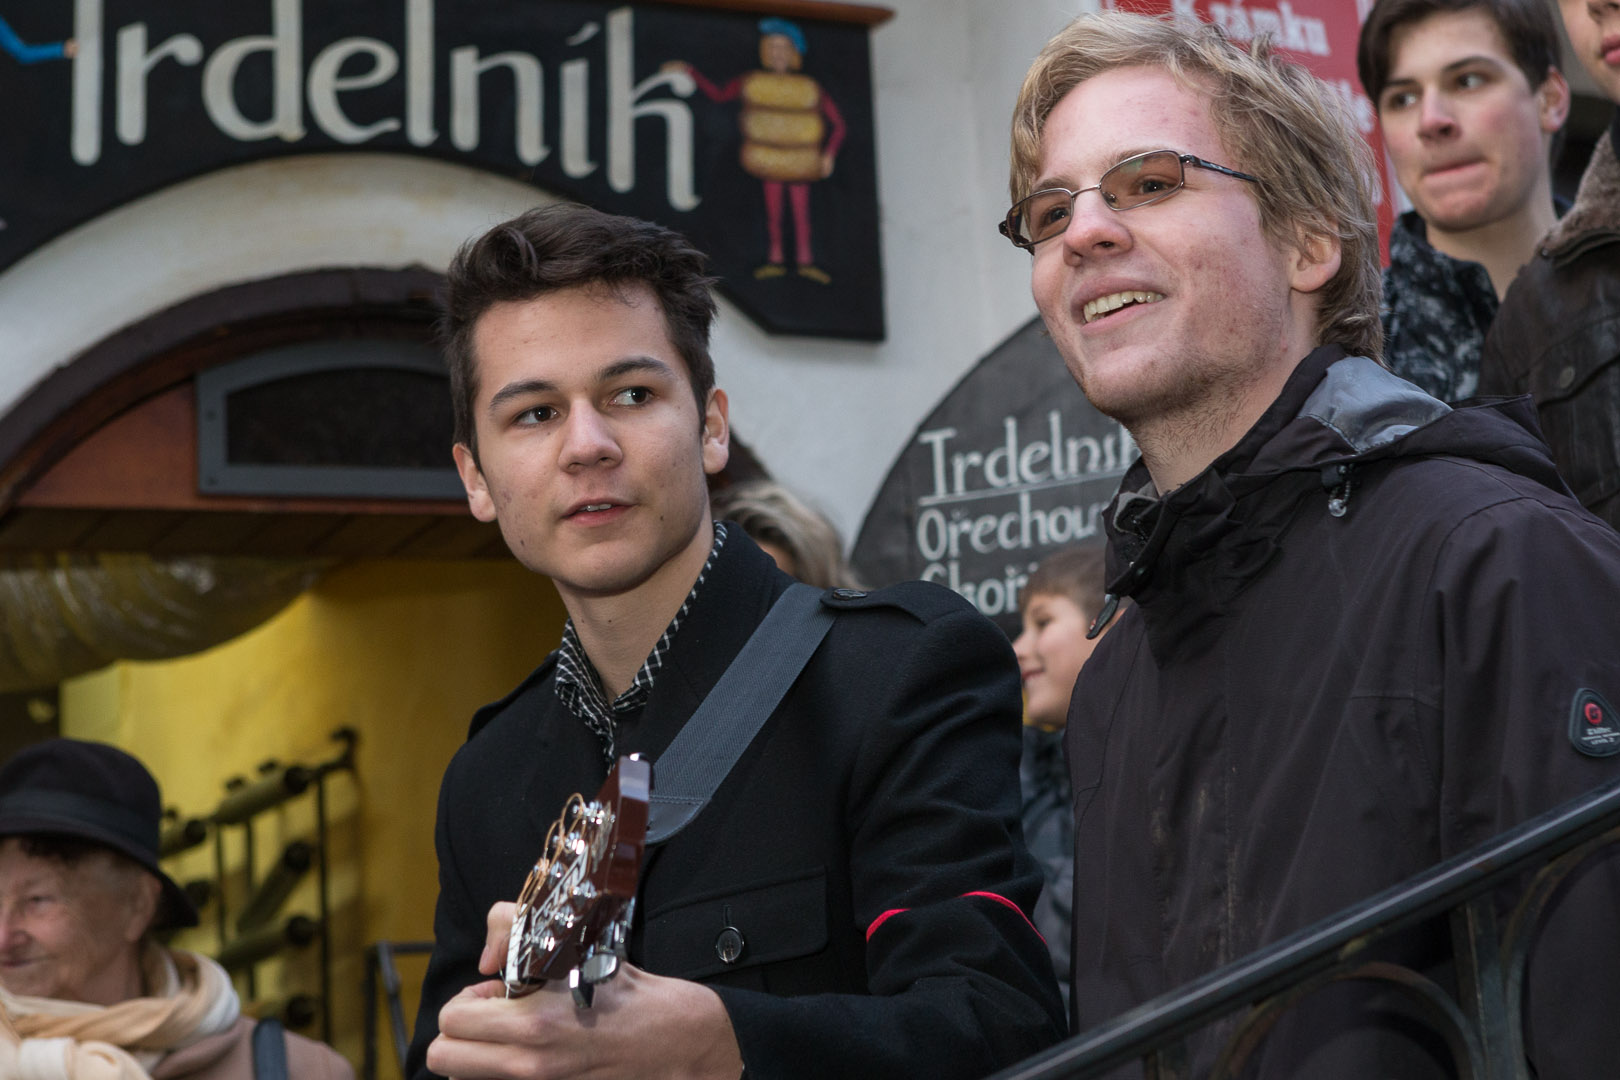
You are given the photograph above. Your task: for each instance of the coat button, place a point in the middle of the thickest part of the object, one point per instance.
(729, 945)
(1566, 377)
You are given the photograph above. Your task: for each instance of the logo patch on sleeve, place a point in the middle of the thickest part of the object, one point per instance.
(1594, 727)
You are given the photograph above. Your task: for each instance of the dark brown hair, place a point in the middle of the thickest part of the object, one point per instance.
(1527, 29)
(563, 246)
(1076, 572)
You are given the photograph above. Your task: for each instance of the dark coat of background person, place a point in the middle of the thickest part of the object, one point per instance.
(887, 779)
(1557, 336)
(1302, 709)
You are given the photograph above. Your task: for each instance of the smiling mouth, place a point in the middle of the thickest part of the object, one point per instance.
(594, 508)
(1104, 306)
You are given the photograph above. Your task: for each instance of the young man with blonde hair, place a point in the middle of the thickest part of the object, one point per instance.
(1360, 618)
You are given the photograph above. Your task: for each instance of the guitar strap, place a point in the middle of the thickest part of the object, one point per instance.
(687, 773)
(269, 1050)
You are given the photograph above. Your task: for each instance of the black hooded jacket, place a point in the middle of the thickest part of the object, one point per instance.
(1354, 650)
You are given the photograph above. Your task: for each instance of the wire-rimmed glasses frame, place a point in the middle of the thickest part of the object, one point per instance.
(1139, 180)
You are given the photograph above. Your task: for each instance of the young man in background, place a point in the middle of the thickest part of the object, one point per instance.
(1469, 98)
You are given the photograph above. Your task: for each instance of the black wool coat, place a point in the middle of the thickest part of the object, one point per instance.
(866, 844)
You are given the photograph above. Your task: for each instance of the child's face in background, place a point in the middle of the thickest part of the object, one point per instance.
(1050, 651)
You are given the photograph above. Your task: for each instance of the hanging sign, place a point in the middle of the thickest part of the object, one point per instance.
(753, 136)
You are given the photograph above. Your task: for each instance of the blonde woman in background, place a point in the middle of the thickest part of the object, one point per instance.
(802, 541)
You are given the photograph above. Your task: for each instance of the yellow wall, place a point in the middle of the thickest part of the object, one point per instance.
(400, 651)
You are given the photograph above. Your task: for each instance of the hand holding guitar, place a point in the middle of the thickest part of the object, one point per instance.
(568, 1004)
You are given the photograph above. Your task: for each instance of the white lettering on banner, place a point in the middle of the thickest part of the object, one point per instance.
(372, 63)
(285, 44)
(134, 64)
(576, 116)
(1298, 33)
(966, 514)
(625, 107)
(1361, 108)
(325, 82)
(466, 68)
(419, 73)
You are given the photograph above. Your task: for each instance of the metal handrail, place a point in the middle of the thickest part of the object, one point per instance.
(382, 973)
(1332, 948)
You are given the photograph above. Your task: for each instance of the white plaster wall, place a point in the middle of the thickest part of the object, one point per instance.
(828, 418)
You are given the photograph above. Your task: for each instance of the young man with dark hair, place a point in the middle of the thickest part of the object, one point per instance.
(1368, 631)
(1470, 100)
(852, 901)
(1558, 334)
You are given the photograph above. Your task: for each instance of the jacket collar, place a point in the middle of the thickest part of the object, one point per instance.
(1186, 556)
(740, 588)
(1596, 212)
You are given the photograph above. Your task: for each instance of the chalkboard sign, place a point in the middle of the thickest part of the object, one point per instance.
(1013, 465)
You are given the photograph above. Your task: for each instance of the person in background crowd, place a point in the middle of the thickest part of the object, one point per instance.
(86, 990)
(1368, 631)
(803, 542)
(851, 901)
(1058, 604)
(1558, 333)
(1470, 99)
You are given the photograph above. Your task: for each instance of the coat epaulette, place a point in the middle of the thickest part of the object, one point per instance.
(489, 712)
(923, 600)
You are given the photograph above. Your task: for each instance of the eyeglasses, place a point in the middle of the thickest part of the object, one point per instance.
(1137, 181)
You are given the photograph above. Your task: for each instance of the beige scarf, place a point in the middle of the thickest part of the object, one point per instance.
(48, 1039)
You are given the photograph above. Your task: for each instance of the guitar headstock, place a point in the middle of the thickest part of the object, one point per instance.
(573, 914)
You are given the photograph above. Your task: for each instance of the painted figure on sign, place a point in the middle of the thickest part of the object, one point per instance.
(791, 134)
(33, 54)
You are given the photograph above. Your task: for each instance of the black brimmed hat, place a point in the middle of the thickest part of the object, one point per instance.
(96, 792)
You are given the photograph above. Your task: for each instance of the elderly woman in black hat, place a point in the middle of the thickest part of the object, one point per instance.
(86, 990)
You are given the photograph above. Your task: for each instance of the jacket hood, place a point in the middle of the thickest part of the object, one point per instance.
(1337, 416)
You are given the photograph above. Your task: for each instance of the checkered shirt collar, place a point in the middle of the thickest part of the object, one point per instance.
(579, 687)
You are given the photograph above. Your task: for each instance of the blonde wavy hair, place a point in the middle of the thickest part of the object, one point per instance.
(772, 514)
(1275, 119)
